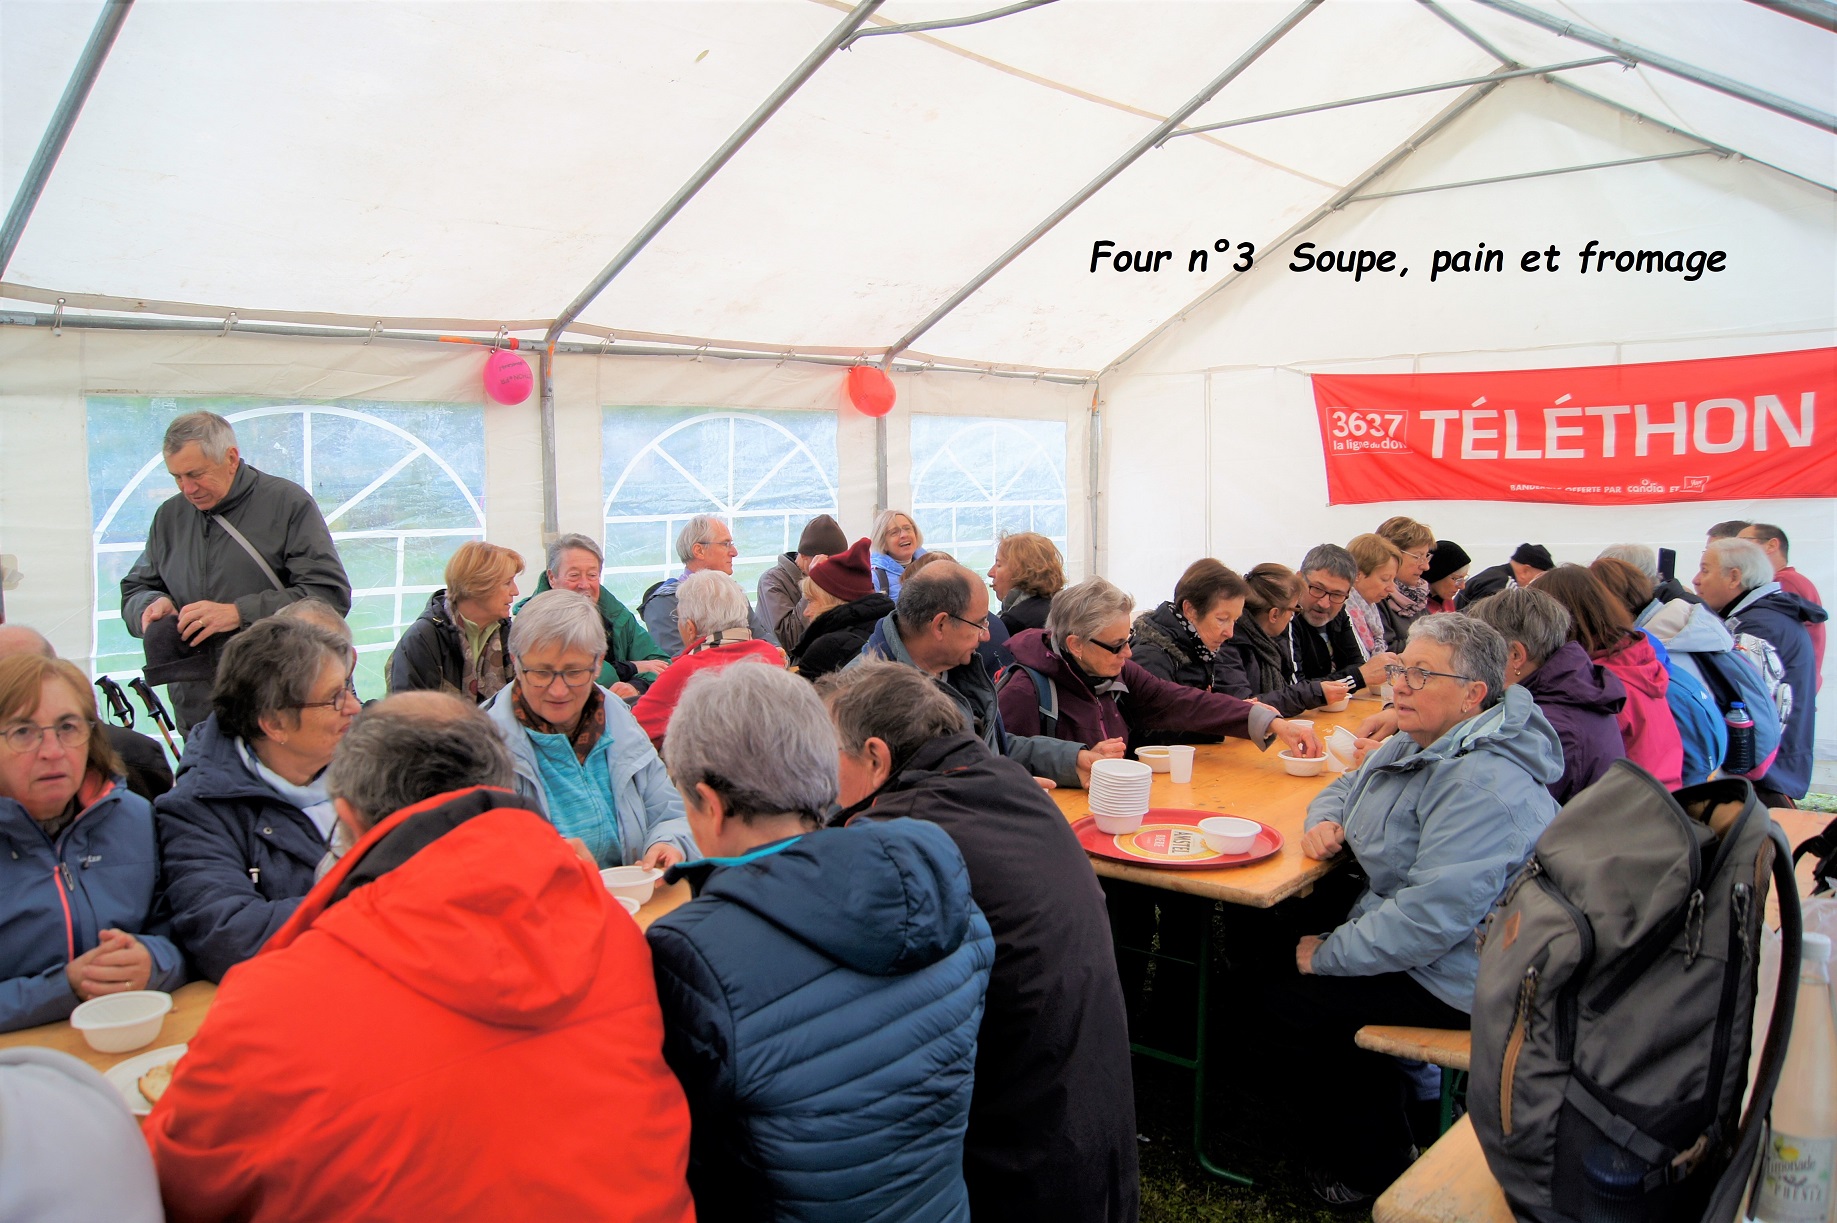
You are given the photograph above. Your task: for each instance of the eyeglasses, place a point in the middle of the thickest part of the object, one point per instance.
(727, 543)
(25, 737)
(1334, 597)
(347, 692)
(1418, 677)
(573, 677)
(1421, 556)
(1293, 609)
(981, 626)
(1118, 648)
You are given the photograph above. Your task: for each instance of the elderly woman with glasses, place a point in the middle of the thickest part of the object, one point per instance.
(248, 826)
(1439, 818)
(896, 542)
(579, 754)
(1415, 544)
(69, 933)
(1076, 679)
(711, 611)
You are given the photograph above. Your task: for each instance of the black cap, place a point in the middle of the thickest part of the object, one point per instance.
(1449, 556)
(171, 661)
(1535, 555)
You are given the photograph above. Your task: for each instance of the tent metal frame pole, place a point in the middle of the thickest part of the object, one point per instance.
(947, 23)
(1402, 93)
(1821, 13)
(551, 489)
(63, 119)
(1664, 63)
(1097, 184)
(1512, 178)
(1455, 110)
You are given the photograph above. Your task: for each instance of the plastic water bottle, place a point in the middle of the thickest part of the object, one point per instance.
(1740, 757)
(1615, 1189)
(1800, 1158)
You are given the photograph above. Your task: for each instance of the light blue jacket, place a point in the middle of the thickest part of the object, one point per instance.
(1439, 831)
(650, 810)
(887, 572)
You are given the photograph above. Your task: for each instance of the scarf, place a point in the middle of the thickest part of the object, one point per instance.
(1411, 600)
(1278, 670)
(486, 669)
(1189, 636)
(1367, 624)
(313, 800)
(586, 732)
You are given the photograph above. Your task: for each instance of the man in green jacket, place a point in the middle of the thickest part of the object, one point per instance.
(632, 657)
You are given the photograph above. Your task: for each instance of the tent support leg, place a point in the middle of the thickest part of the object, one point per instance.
(551, 500)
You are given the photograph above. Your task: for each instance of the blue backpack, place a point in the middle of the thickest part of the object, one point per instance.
(1730, 677)
(1700, 723)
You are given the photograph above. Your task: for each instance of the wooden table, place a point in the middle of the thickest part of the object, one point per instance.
(1234, 778)
(190, 1003)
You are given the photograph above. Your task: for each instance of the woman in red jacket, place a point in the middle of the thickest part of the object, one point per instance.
(712, 611)
(1604, 629)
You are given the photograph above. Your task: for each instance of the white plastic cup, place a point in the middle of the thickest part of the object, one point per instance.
(1180, 763)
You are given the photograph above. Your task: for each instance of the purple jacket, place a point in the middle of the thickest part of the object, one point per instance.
(1581, 699)
(1149, 704)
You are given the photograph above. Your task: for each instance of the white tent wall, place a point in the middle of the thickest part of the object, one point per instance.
(1211, 438)
(45, 510)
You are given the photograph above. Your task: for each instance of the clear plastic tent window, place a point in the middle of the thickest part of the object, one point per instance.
(766, 472)
(401, 486)
(977, 479)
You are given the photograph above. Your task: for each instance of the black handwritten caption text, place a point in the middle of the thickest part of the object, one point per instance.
(1592, 259)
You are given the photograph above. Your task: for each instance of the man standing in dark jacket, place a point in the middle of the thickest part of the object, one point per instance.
(233, 546)
(1321, 638)
(1736, 580)
(1052, 1120)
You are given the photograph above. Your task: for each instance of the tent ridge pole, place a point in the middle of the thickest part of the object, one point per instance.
(1403, 93)
(63, 119)
(1512, 178)
(1097, 184)
(1810, 115)
(1821, 13)
(946, 23)
(791, 84)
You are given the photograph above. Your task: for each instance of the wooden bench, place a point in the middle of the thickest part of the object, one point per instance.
(1444, 1047)
(1449, 1184)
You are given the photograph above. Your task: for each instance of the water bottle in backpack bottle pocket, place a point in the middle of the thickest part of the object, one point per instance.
(1740, 758)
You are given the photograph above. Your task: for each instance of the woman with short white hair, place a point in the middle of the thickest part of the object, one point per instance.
(714, 616)
(579, 754)
(1075, 679)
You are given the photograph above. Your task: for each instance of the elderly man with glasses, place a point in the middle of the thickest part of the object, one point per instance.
(1321, 640)
(705, 542)
(1439, 818)
(580, 756)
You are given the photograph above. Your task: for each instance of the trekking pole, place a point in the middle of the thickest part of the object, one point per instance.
(156, 710)
(117, 701)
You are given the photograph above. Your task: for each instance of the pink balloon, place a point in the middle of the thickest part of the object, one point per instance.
(870, 390)
(507, 377)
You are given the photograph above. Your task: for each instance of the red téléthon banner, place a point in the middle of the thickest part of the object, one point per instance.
(1719, 429)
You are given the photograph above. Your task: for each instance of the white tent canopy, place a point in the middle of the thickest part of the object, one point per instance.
(419, 168)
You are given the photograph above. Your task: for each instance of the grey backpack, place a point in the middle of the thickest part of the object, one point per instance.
(1615, 999)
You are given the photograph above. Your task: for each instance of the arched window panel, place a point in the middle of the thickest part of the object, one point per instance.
(766, 472)
(401, 486)
(975, 479)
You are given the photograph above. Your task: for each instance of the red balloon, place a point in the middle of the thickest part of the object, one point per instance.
(507, 377)
(870, 390)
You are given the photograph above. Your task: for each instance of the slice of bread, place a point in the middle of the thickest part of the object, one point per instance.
(153, 1084)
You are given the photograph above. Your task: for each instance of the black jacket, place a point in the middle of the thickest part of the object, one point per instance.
(1052, 1120)
(1252, 664)
(832, 640)
(1334, 656)
(431, 656)
(1482, 584)
(148, 773)
(1028, 611)
(1161, 648)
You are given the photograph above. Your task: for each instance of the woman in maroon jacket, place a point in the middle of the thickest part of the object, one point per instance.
(1074, 680)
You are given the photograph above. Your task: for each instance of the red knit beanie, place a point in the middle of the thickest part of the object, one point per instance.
(846, 576)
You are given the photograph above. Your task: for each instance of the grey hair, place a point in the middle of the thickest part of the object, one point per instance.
(1333, 559)
(1643, 557)
(269, 670)
(1530, 617)
(212, 433)
(559, 617)
(1082, 610)
(759, 737)
(563, 543)
(713, 600)
(698, 530)
(941, 588)
(314, 610)
(408, 748)
(883, 524)
(1475, 649)
(1743, 555)
(899, 705)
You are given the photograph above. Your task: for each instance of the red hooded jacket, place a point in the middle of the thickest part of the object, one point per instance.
(1647, 726)
(472, 1035)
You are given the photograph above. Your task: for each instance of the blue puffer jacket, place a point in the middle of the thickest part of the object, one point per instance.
(1439, 831)
(821, 998)
(235, 856)
(56, 897)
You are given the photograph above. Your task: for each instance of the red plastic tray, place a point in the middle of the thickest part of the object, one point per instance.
(1168, 839)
